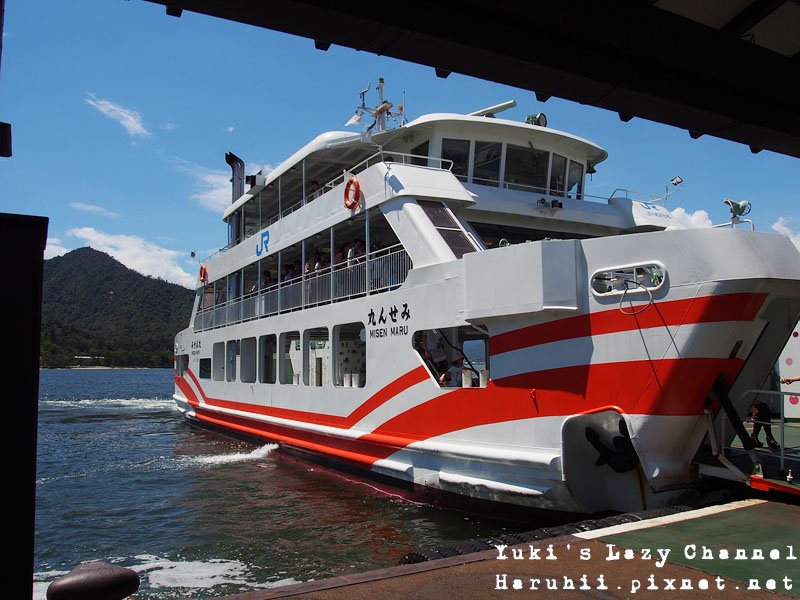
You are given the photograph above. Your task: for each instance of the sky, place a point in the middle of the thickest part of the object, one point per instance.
(121, 117)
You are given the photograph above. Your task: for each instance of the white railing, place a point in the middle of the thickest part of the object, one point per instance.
(387, 269)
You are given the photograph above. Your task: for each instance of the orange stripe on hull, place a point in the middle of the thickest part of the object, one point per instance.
(708, 309)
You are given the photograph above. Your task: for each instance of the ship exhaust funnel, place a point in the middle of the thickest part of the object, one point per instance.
(237, 179)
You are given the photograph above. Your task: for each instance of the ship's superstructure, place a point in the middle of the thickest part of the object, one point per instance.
(442, 304)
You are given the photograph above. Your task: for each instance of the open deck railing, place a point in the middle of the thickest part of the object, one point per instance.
(783, 425)
(380, 156)
(379, 271)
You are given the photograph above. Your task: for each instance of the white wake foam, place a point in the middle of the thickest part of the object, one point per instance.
(225, 459)
(195, 574)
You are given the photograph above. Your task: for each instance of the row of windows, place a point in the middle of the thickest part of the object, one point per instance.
(515, 167)
(312, 357)
(455, 357)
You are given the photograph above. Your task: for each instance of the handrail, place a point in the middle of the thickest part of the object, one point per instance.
(388, 269)
(783, 424)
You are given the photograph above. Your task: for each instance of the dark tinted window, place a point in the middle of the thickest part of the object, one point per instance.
(526, 168)
(486, 168)
(458, 152)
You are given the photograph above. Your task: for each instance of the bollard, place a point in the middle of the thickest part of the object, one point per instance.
(94, 581)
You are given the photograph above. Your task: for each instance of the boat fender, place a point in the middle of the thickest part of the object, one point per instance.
(352, 193)
(622, 457)
(203, 274)
(94, 580)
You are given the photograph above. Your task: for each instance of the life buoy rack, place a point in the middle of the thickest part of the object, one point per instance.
(352, 193)
(203, 274)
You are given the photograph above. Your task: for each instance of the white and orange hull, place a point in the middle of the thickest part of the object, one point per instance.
(591, 407)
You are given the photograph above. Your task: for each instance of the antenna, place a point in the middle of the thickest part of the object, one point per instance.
(379, 113)
(493, 110)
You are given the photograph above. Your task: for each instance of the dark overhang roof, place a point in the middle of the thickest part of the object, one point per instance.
(729, 69)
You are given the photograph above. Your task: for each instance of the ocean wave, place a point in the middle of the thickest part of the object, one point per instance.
(152, 403)
(161, 573)
(236, 457)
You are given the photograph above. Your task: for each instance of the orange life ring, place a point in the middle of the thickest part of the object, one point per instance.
(352, 193)
(203, 274)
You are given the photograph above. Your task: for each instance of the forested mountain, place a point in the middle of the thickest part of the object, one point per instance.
(92, 305)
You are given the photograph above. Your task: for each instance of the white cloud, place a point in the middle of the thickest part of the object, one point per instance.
(782, 227)
(698, 218)
(168, 126)
(138, 254)
(212, 188)
(128, 118)
(54, 248)
(93, 208)
(229, 129)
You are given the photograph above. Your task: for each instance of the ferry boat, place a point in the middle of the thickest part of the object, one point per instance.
(441, 305)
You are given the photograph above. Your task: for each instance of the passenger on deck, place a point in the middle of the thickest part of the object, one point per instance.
(788, 380)
(761, 416)
(453, 376)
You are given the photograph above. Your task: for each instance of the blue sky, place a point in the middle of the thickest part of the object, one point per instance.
(122, 115)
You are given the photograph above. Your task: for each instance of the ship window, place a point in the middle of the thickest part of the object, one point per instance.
(181, 364)
(219, 361)
(205, 368)
(486, 168)
(438, 214)
(267, 358)
(558, 171)
(575, 180)
(317, 362)
(455, 356)
(232, 351)
(291, 364)
(447, 226)
(421, 154)
(248, 360)
(269, 205)
(494, 235)
(250, 215)
(350, 343)
(235, 228)
(458, 152)
(526, 168)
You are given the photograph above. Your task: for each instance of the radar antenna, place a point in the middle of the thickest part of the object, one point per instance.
(379, 113)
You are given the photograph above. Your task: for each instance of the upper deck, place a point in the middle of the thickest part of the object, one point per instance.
(432, 190)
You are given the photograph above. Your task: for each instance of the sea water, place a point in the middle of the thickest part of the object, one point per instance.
(122, 478)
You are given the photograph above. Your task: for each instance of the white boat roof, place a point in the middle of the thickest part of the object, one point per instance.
(594, 153)
(330, 139)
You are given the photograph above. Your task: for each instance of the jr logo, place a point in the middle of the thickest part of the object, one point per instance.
(263, 245)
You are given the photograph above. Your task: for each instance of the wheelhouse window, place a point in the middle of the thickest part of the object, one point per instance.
(558, 172)
(446, 225)
(575, 180)
(421, 153)
(526, 168)
(486, 167)
(458, 152)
